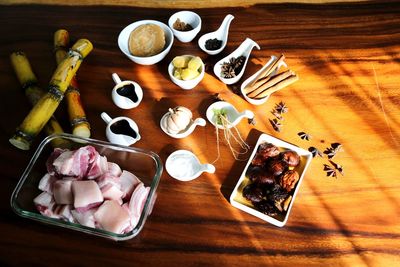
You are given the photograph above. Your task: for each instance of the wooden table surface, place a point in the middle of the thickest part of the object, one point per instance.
(348, 60)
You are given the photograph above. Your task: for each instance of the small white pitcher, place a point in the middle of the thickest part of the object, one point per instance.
(121, 130)
(120, 94)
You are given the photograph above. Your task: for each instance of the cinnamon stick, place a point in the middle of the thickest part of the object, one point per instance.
(268, 70)
(278, 86)
(274, 80)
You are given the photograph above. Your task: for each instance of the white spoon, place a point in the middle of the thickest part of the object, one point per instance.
(183, 165)
(243, 50)
(220, 34)
(232, 115)
(182, 134)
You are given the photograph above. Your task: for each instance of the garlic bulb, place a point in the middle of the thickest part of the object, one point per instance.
(178, 119)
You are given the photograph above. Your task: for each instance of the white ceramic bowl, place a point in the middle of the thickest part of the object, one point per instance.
(123, 39)
(189, 84)
(187, 17)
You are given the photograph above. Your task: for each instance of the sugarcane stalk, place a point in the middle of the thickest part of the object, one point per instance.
(45, 107)
(77, 116)
(33, 92)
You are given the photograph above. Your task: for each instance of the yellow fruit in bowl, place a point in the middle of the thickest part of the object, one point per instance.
(195, 63)
(181, 61)
(177, 73)
(186, 67)
(189, 74)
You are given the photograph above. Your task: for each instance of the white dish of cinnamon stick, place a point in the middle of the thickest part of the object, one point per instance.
(257, 88)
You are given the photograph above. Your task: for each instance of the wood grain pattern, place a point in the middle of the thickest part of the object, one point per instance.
(167, 3)
(335, 49)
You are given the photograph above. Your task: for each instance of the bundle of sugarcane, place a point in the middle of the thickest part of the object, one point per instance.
(45, 107)
(77, 117)
(33, 92)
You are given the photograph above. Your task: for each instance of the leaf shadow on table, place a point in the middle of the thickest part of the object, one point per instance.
(357, 101)
(366, 100)
(234, 173)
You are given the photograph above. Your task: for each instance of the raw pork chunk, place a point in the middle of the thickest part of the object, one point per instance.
(128, 183)
(136, 203)
(112, 217)
(83, 162)
(62, 192)
(87, 195)
(46, 183)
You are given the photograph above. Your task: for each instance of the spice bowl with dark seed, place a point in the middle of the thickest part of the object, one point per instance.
(271, 180)
(214, 42)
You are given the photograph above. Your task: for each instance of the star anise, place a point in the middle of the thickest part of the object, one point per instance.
(276, 124)
(239, 64)
(304, 136)
(233, 67)
(314, 151)
(281, 107)
(252, 121)
(331, 151)
(329, 171)
(277, 114)
(227, 71)
(338, 167)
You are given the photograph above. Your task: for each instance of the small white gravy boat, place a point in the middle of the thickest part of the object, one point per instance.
(121, 130)
(244, 49)
(183, 165)
(184, 133)
(232, 115)
(253, 77)
(126, 94)
(220, 34)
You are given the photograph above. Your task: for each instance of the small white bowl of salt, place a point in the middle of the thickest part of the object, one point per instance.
(183, 165)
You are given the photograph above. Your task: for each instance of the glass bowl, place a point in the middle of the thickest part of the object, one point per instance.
(146, 165)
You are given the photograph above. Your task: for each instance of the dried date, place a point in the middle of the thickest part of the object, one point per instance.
(289, 180)
(258, 175)
(276, 166)
(291, 158)
(253, 193)
(266, 207)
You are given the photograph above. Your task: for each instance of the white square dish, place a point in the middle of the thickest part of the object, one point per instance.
(238, 201)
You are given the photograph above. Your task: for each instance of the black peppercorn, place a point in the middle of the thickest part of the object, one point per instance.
(213, 44)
